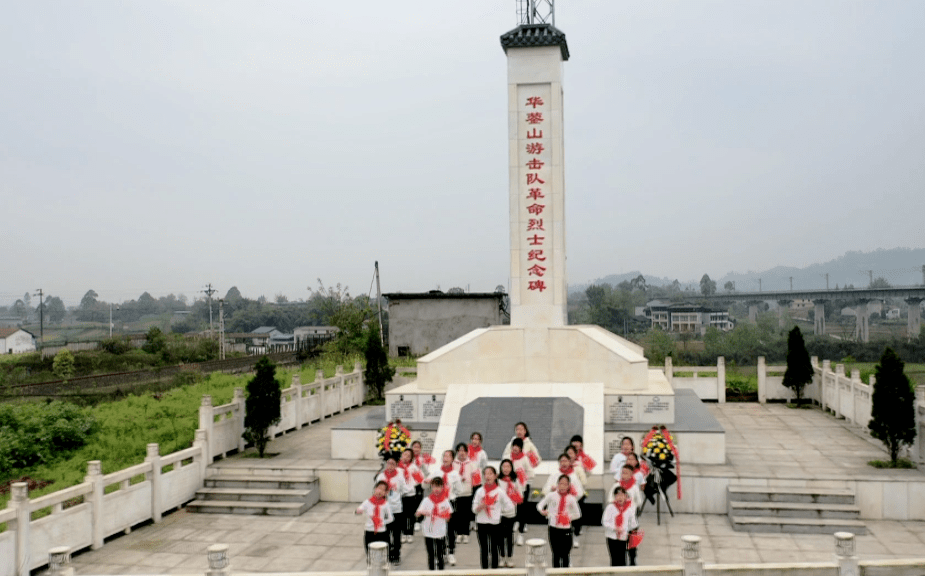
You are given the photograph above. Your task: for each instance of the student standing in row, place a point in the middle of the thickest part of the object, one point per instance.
(579, 469)
(511, 485)
(575, 488)
(478, 456)
(435, 512)
(619, 520)
(468, 475)
(451, 481)
(409, 501)
(423, 461)
(524, 471)
(561, 508)
(529, 450)
(378, 516)
(395, 484)
(627, 447)
(488, 504)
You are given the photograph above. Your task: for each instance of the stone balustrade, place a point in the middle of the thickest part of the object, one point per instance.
(105, 504)
(846, 563)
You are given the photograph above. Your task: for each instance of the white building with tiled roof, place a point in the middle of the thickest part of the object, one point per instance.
(16, 341)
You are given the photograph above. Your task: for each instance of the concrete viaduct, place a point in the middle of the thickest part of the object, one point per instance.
(913, 296)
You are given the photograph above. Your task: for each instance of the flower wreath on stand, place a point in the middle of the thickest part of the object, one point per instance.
(659, 449)
(393, 440)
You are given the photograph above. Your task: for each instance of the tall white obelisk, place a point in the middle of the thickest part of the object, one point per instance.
(535, 52)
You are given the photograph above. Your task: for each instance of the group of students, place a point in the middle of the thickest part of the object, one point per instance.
(464, 487)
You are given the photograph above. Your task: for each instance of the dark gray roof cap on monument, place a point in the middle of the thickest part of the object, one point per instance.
(530, 35)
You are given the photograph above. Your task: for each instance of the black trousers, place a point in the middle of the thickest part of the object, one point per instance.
(436, 551)
(408, 509)
(506, 537)
(576, 524)
(370, 537)
(418, 498)
(560, 542)
(463, 515)
(394, 528)
(488, 545)
(617, 549)
(522, 510)
(451, 531)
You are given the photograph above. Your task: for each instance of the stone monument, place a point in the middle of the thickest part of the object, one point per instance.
(559, 379)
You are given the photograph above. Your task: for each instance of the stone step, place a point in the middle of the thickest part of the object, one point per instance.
(794, 510)
(796, 525)
(249, 508)
(261, 481)
(803, 495)
(253, 494)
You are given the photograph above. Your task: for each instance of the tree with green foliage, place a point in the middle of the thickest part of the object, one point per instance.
(799, 371)
(707, 286)
(261, 407)
(155, 341)
(63, 364)
(892, 412)
(658, 345)
(378, 372)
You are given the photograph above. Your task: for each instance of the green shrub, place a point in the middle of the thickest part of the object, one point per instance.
(31, 434)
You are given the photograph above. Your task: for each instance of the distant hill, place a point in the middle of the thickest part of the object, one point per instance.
(899, 266)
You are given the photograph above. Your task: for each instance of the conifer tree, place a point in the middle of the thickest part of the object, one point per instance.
(799, 367)
(261, 408)
(892, 412)
(378, 372)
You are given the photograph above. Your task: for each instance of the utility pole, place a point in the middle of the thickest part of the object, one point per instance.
(379, 302)
(41, 319)
(110, 320)
(209, 291)
(221, 328)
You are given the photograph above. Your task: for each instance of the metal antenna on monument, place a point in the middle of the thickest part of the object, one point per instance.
(536, 12)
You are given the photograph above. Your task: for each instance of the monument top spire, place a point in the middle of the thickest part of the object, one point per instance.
(536, 12)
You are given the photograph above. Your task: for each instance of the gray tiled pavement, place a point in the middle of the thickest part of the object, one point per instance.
(329, 536)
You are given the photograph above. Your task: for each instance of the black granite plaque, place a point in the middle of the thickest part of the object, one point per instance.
(552, 423)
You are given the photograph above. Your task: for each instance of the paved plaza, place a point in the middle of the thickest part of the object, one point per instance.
(770, 440)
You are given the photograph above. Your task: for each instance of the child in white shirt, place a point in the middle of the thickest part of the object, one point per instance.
(488, 504)
(619, 520)
(434, 513)
(561, 508)
(378, 516)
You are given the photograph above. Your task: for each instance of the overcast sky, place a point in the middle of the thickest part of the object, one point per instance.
(160, 146)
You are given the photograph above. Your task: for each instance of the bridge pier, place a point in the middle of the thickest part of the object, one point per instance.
(819, 317)
(753, 312)
(915, 317)
(862, 328)
(782, 306)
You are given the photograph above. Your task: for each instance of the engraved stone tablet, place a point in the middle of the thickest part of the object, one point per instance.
(426, 437)
(403, 407)
(621, 409)
(431, 407)
(552, 423)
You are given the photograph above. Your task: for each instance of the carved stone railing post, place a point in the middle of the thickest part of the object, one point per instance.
(154, 476)
(297, 398)
(202, 442)
(536, 557)
(361, 388)
(59, 562)
(377, 559)
(95, 478)
(319, 379)
(218, 560)
(239, 418)
(721, 379)
(846, 554)
(691, 561)
(339, 383)
(207, 423)
(20, 501)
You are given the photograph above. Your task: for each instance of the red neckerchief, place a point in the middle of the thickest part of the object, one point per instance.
(474, 452)
(389, 474)
(436, 513)
(404, 466)
(377, 515)
(462, 468)
(517, 456)
(446, 477)
(644, 468)
(568, 470)
(534, 459)
(489, 501)
(586, 461)
(513, 493)
(423, 458)
(562, 516)
(522, 476)
(620, 511)
(627, 484)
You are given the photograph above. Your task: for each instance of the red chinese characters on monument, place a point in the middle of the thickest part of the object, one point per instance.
(536, 122)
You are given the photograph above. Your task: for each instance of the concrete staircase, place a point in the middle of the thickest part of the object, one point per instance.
(794, 510)
(268, 492)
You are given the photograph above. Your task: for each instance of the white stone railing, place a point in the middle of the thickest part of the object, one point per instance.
(300, 405)
(103, 505)
(709, 382)
(846, 563)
